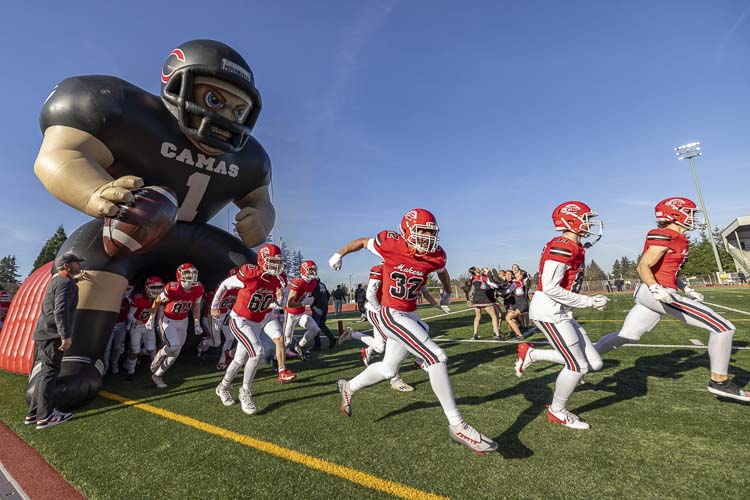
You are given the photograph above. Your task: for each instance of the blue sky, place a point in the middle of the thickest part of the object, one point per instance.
(487, 113)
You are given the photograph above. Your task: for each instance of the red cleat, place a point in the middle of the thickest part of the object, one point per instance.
(286, 376)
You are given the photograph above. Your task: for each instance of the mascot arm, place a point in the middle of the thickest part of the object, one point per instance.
(71, 164)
(256, 217)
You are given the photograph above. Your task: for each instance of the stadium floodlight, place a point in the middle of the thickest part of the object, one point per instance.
(688, 152)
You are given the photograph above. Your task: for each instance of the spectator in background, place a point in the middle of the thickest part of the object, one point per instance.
(319, 309)
(521, 294)
(338, 300)
(741, 276)
(512, 312)
(360, 297)
(52, 337)
(608, 286)
(477, 297)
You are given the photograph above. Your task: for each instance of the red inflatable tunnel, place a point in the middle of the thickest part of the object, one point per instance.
(16, 346)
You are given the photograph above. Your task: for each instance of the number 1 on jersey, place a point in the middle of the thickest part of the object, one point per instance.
(197, 185)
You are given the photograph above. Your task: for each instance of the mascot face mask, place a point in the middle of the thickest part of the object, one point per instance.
(198, 63)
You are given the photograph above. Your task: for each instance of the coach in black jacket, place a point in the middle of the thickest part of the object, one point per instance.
(51, 337)
(320, 313)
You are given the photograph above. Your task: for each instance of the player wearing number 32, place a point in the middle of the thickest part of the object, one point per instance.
(560, 275)
(105, 137)
(408, 259)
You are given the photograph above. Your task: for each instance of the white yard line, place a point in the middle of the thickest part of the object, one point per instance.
(728, 308)
(542, 342)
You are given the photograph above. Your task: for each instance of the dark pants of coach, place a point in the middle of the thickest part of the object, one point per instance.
(48, 353)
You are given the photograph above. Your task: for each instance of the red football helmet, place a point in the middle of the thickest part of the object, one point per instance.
(187, 275)
(153, 286)
(270, 259)
(308, 270)
(681, 211)
(233, 271)
(576, 217)
(420, 230)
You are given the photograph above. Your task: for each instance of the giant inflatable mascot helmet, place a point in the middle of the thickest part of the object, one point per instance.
(105, 138)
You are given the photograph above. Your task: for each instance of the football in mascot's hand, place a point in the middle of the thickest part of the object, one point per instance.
(140, 225)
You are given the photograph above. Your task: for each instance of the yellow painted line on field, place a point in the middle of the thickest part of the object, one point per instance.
(353, 475)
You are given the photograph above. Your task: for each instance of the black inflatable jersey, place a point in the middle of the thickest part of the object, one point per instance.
(145, 141)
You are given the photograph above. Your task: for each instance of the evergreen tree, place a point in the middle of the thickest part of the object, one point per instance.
(594, 273)
(295, 260)
(616, 270)
(9, 273)
(49, 250)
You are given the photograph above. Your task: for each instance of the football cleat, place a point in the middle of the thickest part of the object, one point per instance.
(224, 395)
(564, 417)
(728, 389)
(158, 382)
(523, 360)
(29, 420)
(398, 384)
(346, 397)
(246, 400)
(475, 337)
(346, 336)
(299, 351)
(468, 436)
(421, 364)
(286, 375)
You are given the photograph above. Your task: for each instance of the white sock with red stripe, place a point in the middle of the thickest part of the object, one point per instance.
(250, 368)
(609, 342)
(441, 386)
(564, 386)
(551, 355)
(719, 351)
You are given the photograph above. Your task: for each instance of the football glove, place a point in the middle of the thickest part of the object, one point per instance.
(445, 309)
(335, 261)
(660, 293)
(445, 297)
(599, 302)
(198, 329)
(692, 294)
(274, 305)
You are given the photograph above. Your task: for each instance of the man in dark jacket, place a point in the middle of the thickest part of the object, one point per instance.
(360, 297)
(51, 337)
(319, 309)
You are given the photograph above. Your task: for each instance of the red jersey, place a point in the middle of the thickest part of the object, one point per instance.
(304, 290)
(122, 316)
(177, 301)
(257, 293)
(142, 306)
(376, 273)
(230, 297)
(404, 270)
(665, 271)
(569, 253)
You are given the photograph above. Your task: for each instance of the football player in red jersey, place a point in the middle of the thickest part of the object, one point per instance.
(664, 253)
(259, 291)
(300, 296)
(138, 316)
(213, 328)
(560, 275)
(179, 299)
(116, 344)
(408, 258)
(376, 342)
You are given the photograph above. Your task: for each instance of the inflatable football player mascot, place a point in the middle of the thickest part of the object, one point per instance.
(105, 139)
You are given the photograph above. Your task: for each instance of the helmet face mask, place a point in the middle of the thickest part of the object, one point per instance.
(680, 211)
(187, 275)
(198, 60)
(153, 287)
(420, 230)
(308, 270)
(270, 260)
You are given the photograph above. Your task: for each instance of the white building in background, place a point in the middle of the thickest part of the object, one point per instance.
(736, 238)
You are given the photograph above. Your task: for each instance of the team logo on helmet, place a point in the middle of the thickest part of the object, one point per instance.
(180, 55)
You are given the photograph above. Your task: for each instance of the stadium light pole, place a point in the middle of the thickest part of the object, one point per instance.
(688, 152)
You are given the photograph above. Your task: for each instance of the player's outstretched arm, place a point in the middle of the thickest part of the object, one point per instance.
(352, 246)
(71, 164)
(256, 217)
(229, 283)
(650, 257)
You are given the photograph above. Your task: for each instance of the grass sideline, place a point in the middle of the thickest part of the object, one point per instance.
(656, 431)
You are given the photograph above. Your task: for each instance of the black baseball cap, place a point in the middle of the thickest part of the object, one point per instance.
(67, 258)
